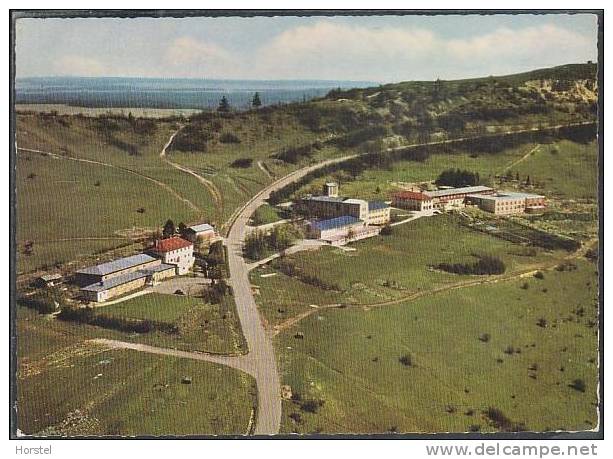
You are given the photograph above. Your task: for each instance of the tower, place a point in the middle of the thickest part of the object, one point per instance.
(331, 189)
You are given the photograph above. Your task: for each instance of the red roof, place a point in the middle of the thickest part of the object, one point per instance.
(170, 244)
(415, 195)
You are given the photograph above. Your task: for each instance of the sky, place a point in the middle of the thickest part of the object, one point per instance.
(358, 48)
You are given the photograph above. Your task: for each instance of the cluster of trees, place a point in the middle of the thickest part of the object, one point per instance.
(170, 229)
(241, 163)
(224, 103)
(259, 243)
(293, 155)
(289, 268)
(216, 261)
(44, 301)
(88, 316)
(217, 292)
(457, 178)
(486, 264)
(359, 136)
(193, 137)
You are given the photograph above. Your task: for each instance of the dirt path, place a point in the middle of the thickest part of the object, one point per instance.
(239, 362)
(209, 185)
(263, 169)
(528, 271)
(522, 159)
(112, 166)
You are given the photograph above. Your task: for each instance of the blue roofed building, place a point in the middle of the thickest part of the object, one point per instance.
(343, 225)
(378, 213)
(331, 205)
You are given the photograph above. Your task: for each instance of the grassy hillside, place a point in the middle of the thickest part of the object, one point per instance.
(349, 371)
(68, 387)
(127, 185)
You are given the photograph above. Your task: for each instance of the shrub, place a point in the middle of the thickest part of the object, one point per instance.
(311, 406)
(45, 302)
(406, 360)
(578, 385)
(241, 163)
(229, 137)
(502, 422)
(293, 155)
(542, 322)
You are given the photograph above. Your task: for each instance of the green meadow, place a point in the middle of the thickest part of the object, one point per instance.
(505, 346)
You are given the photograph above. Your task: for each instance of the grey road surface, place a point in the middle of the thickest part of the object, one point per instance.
(261, 350)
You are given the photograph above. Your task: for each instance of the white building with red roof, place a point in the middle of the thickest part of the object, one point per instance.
(175, 251)
(413, 200)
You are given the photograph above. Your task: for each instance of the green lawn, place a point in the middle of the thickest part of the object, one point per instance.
(389, 267)
(132, 393)
(136, 394)
(265, 214)
(381, 183)
(349, 359)
(153, 306)
(564, 170)
(105, 200)
(280, 297)
(201, 326)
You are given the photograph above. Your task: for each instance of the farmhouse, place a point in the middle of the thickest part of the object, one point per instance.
(175, 251)
(167, 258)
(331, 206)
(108, 280)
(200, 233)
(116, 268)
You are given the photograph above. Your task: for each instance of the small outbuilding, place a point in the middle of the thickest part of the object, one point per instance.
(49, 280)
(200, 233)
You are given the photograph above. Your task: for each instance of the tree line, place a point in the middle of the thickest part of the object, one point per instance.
(486, 265)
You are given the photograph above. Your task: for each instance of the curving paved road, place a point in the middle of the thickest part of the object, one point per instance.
(261, 351)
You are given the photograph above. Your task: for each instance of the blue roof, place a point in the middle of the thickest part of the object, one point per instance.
(117, 265)
(338, 222)
(376, 205)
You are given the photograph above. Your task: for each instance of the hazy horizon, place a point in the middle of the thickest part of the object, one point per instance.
(347, 48)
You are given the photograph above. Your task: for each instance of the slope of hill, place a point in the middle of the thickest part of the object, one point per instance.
(240, 152)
